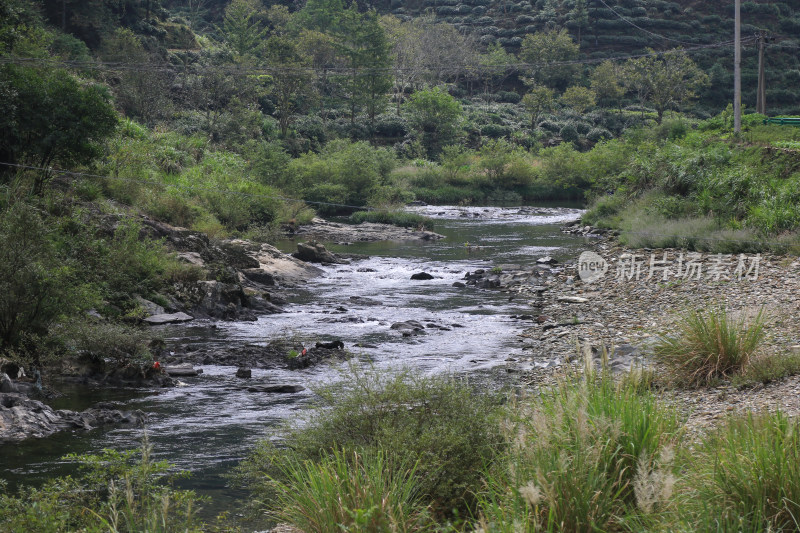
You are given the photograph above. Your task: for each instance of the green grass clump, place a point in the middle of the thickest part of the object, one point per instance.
(349, 491)
(768, 368)
(396, 218)
(450, 431)
(587, 456)
(746, 477)
(709, 345)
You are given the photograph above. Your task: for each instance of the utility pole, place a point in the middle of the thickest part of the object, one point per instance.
(761, 101)
(737, 70)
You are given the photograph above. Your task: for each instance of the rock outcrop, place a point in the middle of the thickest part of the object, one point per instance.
(22, 417)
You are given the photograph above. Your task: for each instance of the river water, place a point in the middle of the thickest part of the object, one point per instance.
(209, 425)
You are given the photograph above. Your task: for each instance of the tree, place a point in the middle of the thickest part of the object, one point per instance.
(51, 118)
(666, 82)
(546, 52)
(436, 116)
(537, 101)
(494, 66)
(579, 17)
(242, 27)
(362, 44)
(290, 78)
(579, 98)
(141, 94)
(606, 83)
(319, 15)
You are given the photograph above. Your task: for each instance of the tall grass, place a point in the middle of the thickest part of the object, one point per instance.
(349, 491)
(586, 457)
(709, 345)
(441, 424)
(746, 477)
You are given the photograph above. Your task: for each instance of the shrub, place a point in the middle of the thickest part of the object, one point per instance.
(586, 455)
(36, 285)
(350, 491)
(450, 431)
(747, 476)
(123, 492)
(709, 345)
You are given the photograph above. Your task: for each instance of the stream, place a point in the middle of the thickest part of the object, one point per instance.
(209, 425)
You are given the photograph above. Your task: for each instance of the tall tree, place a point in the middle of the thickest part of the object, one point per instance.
(548, 54)
(291, 79)
(436, 116)
(242, 26)
(537, 101)
(51, 118)
(607, 84)
(362, 44)
(666, 82)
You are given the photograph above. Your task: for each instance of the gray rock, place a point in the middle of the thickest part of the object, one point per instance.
(572, 299)
(258, 275)
(182, 370)
(244, 373)
(421, 276)
(170, 318)
(6, 385)
(153, 309)
(315, 252)
(547, 260)
(459, 285)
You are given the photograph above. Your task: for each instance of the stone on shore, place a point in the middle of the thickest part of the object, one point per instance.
(315, 252)
(168, 318)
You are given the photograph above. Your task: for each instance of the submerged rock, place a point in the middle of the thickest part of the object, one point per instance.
(244, 373)
(283, 389)
(421, 276)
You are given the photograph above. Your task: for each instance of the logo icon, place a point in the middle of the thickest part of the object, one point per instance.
(591, 267)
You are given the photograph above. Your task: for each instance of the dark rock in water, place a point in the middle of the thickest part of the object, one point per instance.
(459, 285)
(315, 252)
(366, 270)
(170, 318)
(421, 276)
(284, 389)
(547, 260)
(244, 373)
(412, 325)
(365, 301)
(333, 345)
(315, 356)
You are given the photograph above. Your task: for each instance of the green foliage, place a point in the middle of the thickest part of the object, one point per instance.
(709, 345)
(438, 423)
(242, 28)
(553, 46)
(435, 115)
(51, 118)
(121, 492)
(36, 286)
(746, 476)
(397, 218)
(580, 99)
(351, 491)
(586, 456)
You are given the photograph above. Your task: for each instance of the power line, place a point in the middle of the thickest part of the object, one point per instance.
(178, 186)
(455, 69)
(642, 29)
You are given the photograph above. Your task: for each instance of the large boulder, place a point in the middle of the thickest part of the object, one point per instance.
(315, 252)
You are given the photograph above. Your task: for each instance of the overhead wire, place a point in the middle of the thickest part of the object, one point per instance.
(268, 69)
(663, 37)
